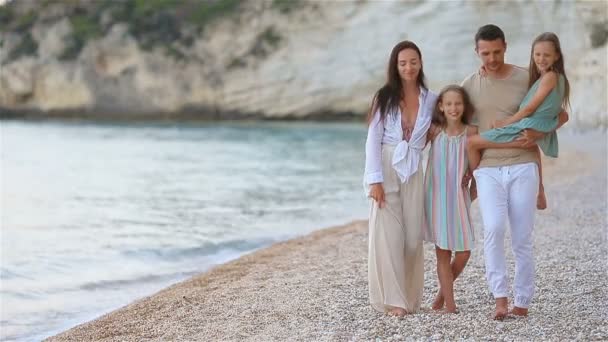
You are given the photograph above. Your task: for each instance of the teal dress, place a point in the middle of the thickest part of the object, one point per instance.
(544, 119)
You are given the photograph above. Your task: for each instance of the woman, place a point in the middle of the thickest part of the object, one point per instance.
(398, 123)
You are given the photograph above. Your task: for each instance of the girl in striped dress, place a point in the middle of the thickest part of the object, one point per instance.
(448, 197)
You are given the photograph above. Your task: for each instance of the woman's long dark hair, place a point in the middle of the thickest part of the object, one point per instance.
(439, 117)
(558, 66)
(387, 98)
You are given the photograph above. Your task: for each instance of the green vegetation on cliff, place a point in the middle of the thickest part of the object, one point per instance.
(168, 24)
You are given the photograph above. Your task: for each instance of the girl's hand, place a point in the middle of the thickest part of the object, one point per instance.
(482, 71)
(466, 178)
(473, 193)
(377, 193)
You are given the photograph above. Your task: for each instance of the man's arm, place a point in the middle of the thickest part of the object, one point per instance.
(529, 136)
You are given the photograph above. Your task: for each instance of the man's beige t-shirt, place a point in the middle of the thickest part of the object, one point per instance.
(496, 99)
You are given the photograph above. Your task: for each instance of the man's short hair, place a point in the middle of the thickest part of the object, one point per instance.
(489, 32)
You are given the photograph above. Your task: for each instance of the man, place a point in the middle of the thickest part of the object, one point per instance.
(507, 179)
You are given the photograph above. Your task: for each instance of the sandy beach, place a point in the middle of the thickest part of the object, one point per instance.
(315, 287)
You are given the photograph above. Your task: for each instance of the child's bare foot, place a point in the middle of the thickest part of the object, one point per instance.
(438, 302)
(450, 309)
(502, 308)
(398, 312)
(517, 311)
(447, 311)
(541, 200)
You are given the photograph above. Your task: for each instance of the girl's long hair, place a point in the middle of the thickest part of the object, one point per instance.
(387, 98)
(558, 66)
(438, 116)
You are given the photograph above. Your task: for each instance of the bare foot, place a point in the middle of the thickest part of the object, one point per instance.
(517, 311)
(541, 201)
(398, 312)
(438, 302)
(449, 310)
(502, 309)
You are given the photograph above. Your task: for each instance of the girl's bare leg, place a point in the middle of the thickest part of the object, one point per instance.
(476, 144)
(446, 279)
(541, 199)
(457, 266)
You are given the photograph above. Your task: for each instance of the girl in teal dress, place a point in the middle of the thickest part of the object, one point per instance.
(539, 110)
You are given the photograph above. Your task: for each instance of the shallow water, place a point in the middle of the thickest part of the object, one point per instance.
(95, 215)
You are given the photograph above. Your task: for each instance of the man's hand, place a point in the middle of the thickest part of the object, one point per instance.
(528, 137)
(500, 123)
(562, 118)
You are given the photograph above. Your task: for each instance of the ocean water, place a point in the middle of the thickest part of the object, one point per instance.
(96, 215)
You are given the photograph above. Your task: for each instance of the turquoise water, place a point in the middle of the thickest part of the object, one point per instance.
(95, 215)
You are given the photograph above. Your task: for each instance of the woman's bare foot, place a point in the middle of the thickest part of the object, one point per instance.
(438, 302)
(502, 309)
(541, 200)
(398, 312)
(517, 311)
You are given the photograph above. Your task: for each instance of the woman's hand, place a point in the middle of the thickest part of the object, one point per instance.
(377, 193)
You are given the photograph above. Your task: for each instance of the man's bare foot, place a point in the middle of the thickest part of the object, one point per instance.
(398, 312)
(438, 302)
(517, 311)
(502, 308)
(541, 201)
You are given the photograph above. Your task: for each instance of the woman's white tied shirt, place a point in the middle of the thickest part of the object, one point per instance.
(407, 155)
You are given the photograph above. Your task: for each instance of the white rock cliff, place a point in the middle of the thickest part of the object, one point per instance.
(329, 61)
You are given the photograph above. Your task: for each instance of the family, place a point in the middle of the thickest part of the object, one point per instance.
(485, 138)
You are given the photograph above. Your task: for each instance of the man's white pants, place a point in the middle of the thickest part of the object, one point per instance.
(509, 192)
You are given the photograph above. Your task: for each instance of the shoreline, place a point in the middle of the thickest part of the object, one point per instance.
(573, 129)
(234, 268)
(314, 287)
(186, 115)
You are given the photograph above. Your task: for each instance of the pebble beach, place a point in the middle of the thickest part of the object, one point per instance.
(314, 288)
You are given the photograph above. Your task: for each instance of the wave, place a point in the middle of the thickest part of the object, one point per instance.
(206, 249)
(121, 283)
(5, 274)
(222, 250)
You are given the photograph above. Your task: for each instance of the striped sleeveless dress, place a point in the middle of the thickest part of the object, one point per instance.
(447, 202)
